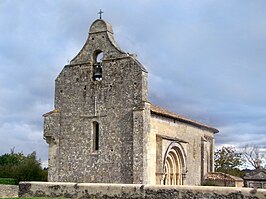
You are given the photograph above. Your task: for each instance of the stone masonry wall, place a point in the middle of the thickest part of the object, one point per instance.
(124, 191)
(196, 142)
(8, 191)
(80, 101)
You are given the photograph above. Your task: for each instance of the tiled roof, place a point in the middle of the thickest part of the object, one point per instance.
(257, 174)
(221, 176)
(163, 112)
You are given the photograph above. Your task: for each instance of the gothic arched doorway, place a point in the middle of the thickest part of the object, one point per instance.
(174, 165)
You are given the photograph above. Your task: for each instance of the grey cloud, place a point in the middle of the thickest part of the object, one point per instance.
(205, 61)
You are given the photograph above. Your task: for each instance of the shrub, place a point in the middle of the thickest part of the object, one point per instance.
(21, 167)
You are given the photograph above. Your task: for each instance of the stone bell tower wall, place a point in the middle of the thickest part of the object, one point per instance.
(81, 102)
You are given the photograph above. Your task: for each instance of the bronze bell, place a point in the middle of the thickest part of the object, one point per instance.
(97, 73)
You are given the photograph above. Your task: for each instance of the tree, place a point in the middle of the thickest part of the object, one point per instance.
(227, 160)
(253, 155)
(21, 167)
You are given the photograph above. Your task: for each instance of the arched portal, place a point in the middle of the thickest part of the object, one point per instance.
(174, 165)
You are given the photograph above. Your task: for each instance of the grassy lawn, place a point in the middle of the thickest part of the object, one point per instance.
(10, 181)
(32, 198)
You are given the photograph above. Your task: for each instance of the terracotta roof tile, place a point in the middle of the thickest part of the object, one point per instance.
(221, 176)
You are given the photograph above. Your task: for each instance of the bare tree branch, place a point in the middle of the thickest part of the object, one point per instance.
(253, 155)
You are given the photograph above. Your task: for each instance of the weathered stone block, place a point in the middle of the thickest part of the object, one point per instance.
(124, 191)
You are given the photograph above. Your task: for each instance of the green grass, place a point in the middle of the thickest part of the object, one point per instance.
(10, 181)
(42, 198)
(32, 198)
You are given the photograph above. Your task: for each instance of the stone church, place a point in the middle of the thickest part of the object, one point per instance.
(103, 128)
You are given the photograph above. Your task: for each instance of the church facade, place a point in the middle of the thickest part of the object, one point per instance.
(104, 129)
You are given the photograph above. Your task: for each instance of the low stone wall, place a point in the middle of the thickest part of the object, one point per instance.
(108, 191)
(8, 191)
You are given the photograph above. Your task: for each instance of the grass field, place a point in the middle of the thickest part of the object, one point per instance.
(32, 198)
(29, 198)
(10, 181)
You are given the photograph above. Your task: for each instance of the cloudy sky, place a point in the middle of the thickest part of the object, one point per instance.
(206, 60)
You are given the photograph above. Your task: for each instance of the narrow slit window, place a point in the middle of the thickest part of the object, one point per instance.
(96, 136)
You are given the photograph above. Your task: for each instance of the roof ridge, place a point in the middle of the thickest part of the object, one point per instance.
(162, 111)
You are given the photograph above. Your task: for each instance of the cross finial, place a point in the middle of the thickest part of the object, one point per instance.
(100, 13)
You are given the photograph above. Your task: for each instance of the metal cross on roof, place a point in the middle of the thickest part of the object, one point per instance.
(100, 13)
